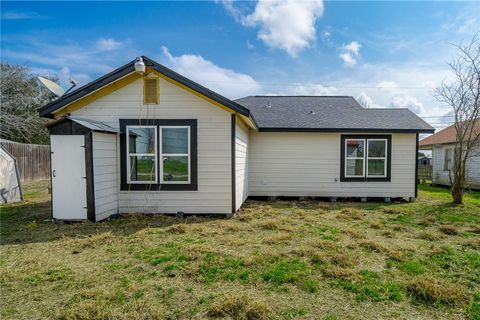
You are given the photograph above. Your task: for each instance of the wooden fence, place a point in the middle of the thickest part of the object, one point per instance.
(424, 172)
(33, 160)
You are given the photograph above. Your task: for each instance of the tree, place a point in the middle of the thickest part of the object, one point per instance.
(463, 96)
(20, 97)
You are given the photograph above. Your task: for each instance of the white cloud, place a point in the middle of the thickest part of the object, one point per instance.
(366, 101)
(353, 47)
(224, 81)
(349, 53)
(16, 15)
(348, 59)
(231, 9)
(308, 89)
(108, 44)
(82, 61)
(327, 36)
(404, 100)
(284, 24)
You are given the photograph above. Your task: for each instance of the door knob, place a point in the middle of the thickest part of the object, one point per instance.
(54, 173)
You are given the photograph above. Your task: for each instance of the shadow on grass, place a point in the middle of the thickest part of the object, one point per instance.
(30, 222)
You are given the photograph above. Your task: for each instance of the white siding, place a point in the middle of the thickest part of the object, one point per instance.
(308, 164)
(473, 170)
(241, 163)
(441, 177)
(214, 140)
(105, 168)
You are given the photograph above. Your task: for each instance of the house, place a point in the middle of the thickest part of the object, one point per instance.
(144, 138)
(424, 160)
(442, 144)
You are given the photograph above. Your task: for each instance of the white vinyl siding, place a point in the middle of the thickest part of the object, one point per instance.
(441, 177)
(213, 149)
(241, 162)
(105, 168)
(308, 164)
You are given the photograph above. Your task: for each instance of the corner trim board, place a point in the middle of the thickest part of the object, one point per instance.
(233, 146)
(417, 143)
(91, 214)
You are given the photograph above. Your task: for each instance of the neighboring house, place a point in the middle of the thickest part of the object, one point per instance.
(424, 160)
(442, 145)
(158, 142)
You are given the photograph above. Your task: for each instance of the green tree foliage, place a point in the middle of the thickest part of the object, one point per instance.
(20, 96)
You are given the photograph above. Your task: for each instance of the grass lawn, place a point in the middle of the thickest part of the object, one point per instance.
(274, 260)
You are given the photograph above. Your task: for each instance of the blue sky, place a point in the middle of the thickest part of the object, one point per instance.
(386, 54)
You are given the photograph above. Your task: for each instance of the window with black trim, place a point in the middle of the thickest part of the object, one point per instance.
(158, 154)
(365, 158)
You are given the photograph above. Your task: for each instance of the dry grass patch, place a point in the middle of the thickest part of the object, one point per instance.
(269, 225)
(376, 225)
(429, 235)
(449, 230)
(351, 213)
(427, 222)
(436, 292)
(278, 238)
(239, 307)
(393, 210)
(244, 217)
(336, 258)
(340, 273)
(178, 228)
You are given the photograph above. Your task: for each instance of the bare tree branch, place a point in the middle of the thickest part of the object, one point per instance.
(463, 96)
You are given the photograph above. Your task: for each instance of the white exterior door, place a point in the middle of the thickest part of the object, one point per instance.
(69, 183)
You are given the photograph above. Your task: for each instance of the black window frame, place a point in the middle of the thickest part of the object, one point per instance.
(158, 186)
(387, 178)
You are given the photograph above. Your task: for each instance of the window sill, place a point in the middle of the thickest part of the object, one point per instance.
(370, 179)
(159, 187)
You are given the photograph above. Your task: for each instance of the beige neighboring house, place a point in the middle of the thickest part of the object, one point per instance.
(442, 145)
(144, 138)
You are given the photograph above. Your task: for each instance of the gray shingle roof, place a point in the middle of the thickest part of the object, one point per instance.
(328, 113)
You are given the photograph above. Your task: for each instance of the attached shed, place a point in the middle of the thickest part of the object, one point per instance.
(157, 142)
(84, 169)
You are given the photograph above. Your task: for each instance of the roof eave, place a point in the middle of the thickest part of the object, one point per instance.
(370, 130)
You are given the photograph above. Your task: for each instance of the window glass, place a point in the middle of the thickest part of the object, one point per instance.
(448, 159)
(175, 168)
(376, 148)
(355, 148)
(141, 140)
(376, 167)
(175, 140)
(354, 167)
(142, 168)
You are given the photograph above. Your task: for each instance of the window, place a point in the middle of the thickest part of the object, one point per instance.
(150, 91)
(175, 154)
(142, 154)
(377, 158)
(447, 164)
(158, 154)
(365, 158)
(355, 157)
